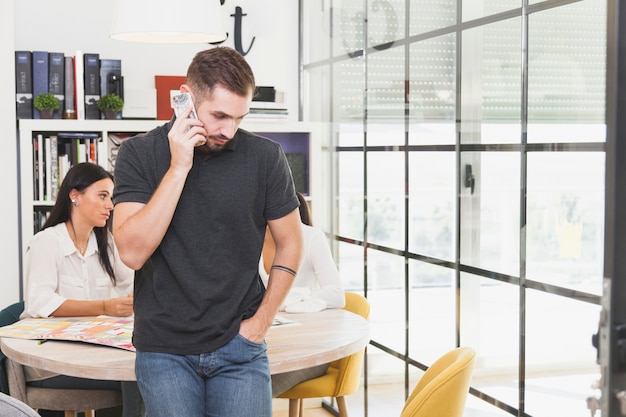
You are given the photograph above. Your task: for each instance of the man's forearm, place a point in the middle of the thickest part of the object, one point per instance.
(138, 232)
(278, 287)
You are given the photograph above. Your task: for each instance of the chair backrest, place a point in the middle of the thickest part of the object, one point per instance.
(357, 304)
(12, 407)
(349, 368)
(8, 315)
(48, 398)
(11, 314)
(442, 390)
(16, 379)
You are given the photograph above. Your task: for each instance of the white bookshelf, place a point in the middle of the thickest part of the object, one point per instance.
(30, 128)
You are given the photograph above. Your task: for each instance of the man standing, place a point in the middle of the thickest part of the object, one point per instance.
(192, 201)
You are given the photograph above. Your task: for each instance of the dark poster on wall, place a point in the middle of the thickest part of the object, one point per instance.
(296, 148)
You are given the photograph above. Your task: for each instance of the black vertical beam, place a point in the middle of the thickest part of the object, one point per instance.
(615, 202)
(521, 384)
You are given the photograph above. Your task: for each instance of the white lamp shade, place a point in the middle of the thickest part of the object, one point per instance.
(167, 21)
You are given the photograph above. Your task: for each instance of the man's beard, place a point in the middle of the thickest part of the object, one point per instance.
(207, 149)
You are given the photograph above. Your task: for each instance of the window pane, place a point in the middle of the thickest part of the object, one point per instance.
(474, 9)
(316, 31)
(350, 265)
(559, 354)
(432, 133)
(385, 22)
(432, 84)
(316, 107)
(428, 15)
(389, 133)
(351, 134)
(490, 323)
(385, 95)
(501, 69)
(566, 69)
(348, 89)
(385, 271)
(385, 198)
(491, 84)
(432, 202)
(350, 194)
(384, 375)
(432, 311)
(490, 215)
(476, 407)
(385, 274)
(565, 222)
(346, 21)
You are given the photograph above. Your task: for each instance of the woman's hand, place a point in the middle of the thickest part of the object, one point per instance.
(119, 307)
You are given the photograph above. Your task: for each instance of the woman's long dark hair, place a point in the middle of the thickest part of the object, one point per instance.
(79, 177)
(305, 212)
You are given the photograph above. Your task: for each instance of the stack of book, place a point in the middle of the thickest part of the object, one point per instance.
(77, 81)
(54, 154)
(266, 109)
(268, 103)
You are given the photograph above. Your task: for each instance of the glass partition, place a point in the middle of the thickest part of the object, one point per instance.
(467, 192)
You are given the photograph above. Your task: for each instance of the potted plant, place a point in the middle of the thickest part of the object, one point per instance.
(47, 104)
(110, 105)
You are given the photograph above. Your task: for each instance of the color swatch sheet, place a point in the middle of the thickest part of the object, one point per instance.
(101, 330)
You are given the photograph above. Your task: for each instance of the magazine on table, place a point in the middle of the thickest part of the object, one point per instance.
(101, 330)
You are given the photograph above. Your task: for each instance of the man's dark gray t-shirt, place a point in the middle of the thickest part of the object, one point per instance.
(202, 280)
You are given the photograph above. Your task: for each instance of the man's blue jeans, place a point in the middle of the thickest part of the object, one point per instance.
(233, 381)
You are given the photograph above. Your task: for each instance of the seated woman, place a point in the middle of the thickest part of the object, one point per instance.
(316, 287)
(72, 268)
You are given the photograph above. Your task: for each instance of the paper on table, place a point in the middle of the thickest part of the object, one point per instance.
(281, 321)
(102, 330)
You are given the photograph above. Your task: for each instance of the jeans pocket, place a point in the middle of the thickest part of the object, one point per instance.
(241, 350)
(250, 342)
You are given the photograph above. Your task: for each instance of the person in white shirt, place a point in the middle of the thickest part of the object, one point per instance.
(317, 286)
(72, 268)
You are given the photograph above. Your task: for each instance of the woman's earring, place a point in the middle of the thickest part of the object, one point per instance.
(75, 203)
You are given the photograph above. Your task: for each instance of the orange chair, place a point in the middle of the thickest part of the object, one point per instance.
(442, 390)
(342, 377)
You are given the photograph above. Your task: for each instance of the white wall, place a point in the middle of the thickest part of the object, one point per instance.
(70, 25)
(9, 248)
(84, 25)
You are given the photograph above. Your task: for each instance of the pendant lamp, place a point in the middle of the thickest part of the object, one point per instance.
(165, 21)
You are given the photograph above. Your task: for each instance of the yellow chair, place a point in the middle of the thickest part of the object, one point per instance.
(443, 388)
(342, 377)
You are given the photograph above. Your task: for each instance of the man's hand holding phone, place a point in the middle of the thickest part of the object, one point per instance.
(181, 102)
(185, 109)
(186, 134)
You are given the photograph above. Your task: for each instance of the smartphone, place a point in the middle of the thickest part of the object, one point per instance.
(181, 102)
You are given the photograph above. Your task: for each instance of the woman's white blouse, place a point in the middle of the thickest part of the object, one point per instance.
(317, 273)
(55, 271)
